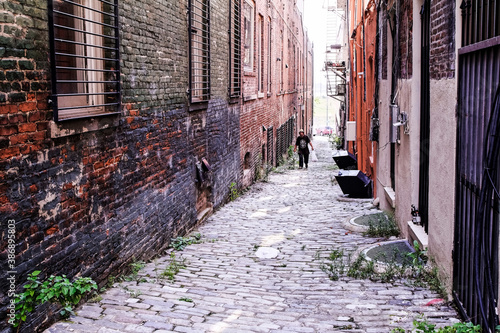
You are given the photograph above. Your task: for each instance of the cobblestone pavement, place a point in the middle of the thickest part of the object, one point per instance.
(226, 287)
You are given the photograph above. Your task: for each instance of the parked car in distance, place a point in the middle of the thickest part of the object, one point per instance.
(327, 130)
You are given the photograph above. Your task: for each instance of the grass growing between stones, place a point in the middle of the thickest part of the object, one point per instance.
(420, 324)
(180, 243)
(379, 225)
(174, 266)
(409, 268)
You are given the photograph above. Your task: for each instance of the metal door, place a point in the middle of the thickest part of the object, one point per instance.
(475, 254)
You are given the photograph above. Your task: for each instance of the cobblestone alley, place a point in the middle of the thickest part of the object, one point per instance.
(226, 287)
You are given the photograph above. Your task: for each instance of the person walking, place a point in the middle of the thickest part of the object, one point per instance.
(302, 142)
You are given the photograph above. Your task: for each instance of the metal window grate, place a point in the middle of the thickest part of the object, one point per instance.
(85, 59)
(480, 20)
(235, 49)
(199, 50)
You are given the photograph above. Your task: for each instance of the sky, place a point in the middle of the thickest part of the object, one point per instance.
(315, 23)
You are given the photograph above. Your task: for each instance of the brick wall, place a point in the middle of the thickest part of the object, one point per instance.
(89, 196)
(405, 24)
(290, 45)
(442, 50)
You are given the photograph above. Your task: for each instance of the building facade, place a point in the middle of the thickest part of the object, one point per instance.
(122, 124)
(277, 83)
(436, 105)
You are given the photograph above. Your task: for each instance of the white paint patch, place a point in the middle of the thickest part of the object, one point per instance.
(267, 252)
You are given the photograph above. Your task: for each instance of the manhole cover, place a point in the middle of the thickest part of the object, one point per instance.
(391, 252)
(266, 252)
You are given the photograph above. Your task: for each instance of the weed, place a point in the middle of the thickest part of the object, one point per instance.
(420, 324)
(396, 267)
(136, 267)
(303, 247)
(418, 258)
(132, 293)
(361, 268)
(234, 193)
(180, 243)
(381, 225)
(95, 299)
(335, 266)
(173, 267)
(56, 289)
(186, 299)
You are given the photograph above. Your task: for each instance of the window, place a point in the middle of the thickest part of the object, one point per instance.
(269, 82)
(260, 54)
(84, 58)
(235, 49)
(199, 50)
(248, 16)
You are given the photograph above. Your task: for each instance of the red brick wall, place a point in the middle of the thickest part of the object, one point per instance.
(284, 101)
(405, 24)
(442, 49)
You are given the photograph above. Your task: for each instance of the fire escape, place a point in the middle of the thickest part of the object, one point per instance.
(336, 58)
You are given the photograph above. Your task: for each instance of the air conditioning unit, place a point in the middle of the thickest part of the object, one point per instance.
(350, 131)
(340, 89)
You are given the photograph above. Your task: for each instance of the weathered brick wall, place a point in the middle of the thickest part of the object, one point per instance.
(288, 44)
(90, 202)
(405, 24)
(442, 49)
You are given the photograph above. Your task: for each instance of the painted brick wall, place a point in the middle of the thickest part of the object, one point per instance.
(442, 57)
(119, 188)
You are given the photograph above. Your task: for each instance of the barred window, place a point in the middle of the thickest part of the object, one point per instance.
(249, 25)
(269, 53)
(84, 58)
(199, 50)
(235, 49)
(260, 54)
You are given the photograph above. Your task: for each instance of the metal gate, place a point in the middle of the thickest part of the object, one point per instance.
(284, 138)
(475, 254)
(270, 143)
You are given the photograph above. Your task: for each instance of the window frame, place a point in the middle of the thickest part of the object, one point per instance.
(235, 49)
(199, 51)
(249, 31)
(84, 58)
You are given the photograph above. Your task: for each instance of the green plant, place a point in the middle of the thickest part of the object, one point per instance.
(381, 225)
(421, 325)
(418, 258)
(180, 243)
(186, 299)
(56, 289)
(233, 192)
(173, 267)
(136, 266)
(335, 266)
(361, 268)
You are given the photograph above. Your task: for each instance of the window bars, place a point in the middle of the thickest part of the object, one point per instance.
(235, 49)
(199, 50)
(84, 58)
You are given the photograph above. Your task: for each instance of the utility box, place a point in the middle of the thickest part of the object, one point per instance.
(393, 130)
(350, 131)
